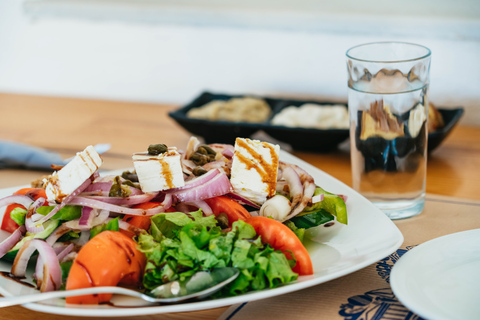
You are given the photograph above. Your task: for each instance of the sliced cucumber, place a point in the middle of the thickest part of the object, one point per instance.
(312, 219)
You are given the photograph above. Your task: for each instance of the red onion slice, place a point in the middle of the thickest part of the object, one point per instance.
(55, 235)
(192, 146)
(221, 165)
(67, 199)
(62, 254)
(301, 185)
(200, 204)
(99, 186)
(199, 181)
(217, 186)
(86, 216)
(83, 239)
(81, 201)
(317, 198)
(343, 196)
(52, 273)
(103, 188)
(10, 242)
(34, 227)
(228, 153)
(294, 184)
(95, 217)
(242, 200)
(25, 201)
(128, 201)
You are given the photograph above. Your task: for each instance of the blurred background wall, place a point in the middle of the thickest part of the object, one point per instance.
(169, 51)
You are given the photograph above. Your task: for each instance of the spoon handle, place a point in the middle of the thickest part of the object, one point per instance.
(16, 300)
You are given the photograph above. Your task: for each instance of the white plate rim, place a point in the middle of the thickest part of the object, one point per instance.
(403, 292)
(329, 183)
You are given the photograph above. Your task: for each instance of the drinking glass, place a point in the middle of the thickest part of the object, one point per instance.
(388, 107)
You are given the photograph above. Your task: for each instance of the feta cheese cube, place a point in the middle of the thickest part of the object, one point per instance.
(159, 172)
(254, 169)
(63, 182)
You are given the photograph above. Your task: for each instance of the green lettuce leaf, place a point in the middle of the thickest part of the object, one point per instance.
(182, 244)
(111, 225)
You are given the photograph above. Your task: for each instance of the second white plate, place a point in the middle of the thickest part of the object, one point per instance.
(440, 279)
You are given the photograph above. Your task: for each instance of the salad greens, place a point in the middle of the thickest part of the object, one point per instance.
(178, 245)
(66, 213)
(111, 225)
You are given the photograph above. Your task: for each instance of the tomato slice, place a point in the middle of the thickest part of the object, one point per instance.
(280, 237)
(142, 222)
(7, 223)
(230, 207)
(108, 259)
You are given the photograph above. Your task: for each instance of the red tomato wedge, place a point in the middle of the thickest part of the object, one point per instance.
(7, 223)
(108, 259)
(142, 222)
(230, 207)
(280, 237)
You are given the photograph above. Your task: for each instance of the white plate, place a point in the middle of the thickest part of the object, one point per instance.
(369, 237)
(440, 279)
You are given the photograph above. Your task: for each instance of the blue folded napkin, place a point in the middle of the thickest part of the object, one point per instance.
(18, 155)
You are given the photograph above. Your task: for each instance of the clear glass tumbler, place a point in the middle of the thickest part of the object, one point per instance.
(388, 106)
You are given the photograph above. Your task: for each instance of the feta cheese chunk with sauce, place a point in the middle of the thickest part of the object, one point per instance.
(159, 172)
(254, 169)
(63, 182)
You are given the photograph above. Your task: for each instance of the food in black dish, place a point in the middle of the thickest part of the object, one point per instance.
(307, 139)
(243, 109)
(216, 131)
(313, 116)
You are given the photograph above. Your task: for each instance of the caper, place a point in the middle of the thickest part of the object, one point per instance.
(119, 190)
(131, 184)
(208, 149)
(202, 150)
(115, 191)
(157, 148)
(132, 176)
(222, 220)
(199, 159)
(198, 171)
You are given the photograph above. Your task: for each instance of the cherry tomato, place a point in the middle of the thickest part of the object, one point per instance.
(7, 223)
(280, 237)
(108, 259)
(230, 207)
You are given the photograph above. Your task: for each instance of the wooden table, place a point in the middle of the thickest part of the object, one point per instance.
(68, 125)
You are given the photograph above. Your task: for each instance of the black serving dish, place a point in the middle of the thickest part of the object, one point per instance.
(450, 118)
(305, 139)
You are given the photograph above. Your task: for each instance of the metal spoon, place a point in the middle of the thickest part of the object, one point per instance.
(201, 285)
